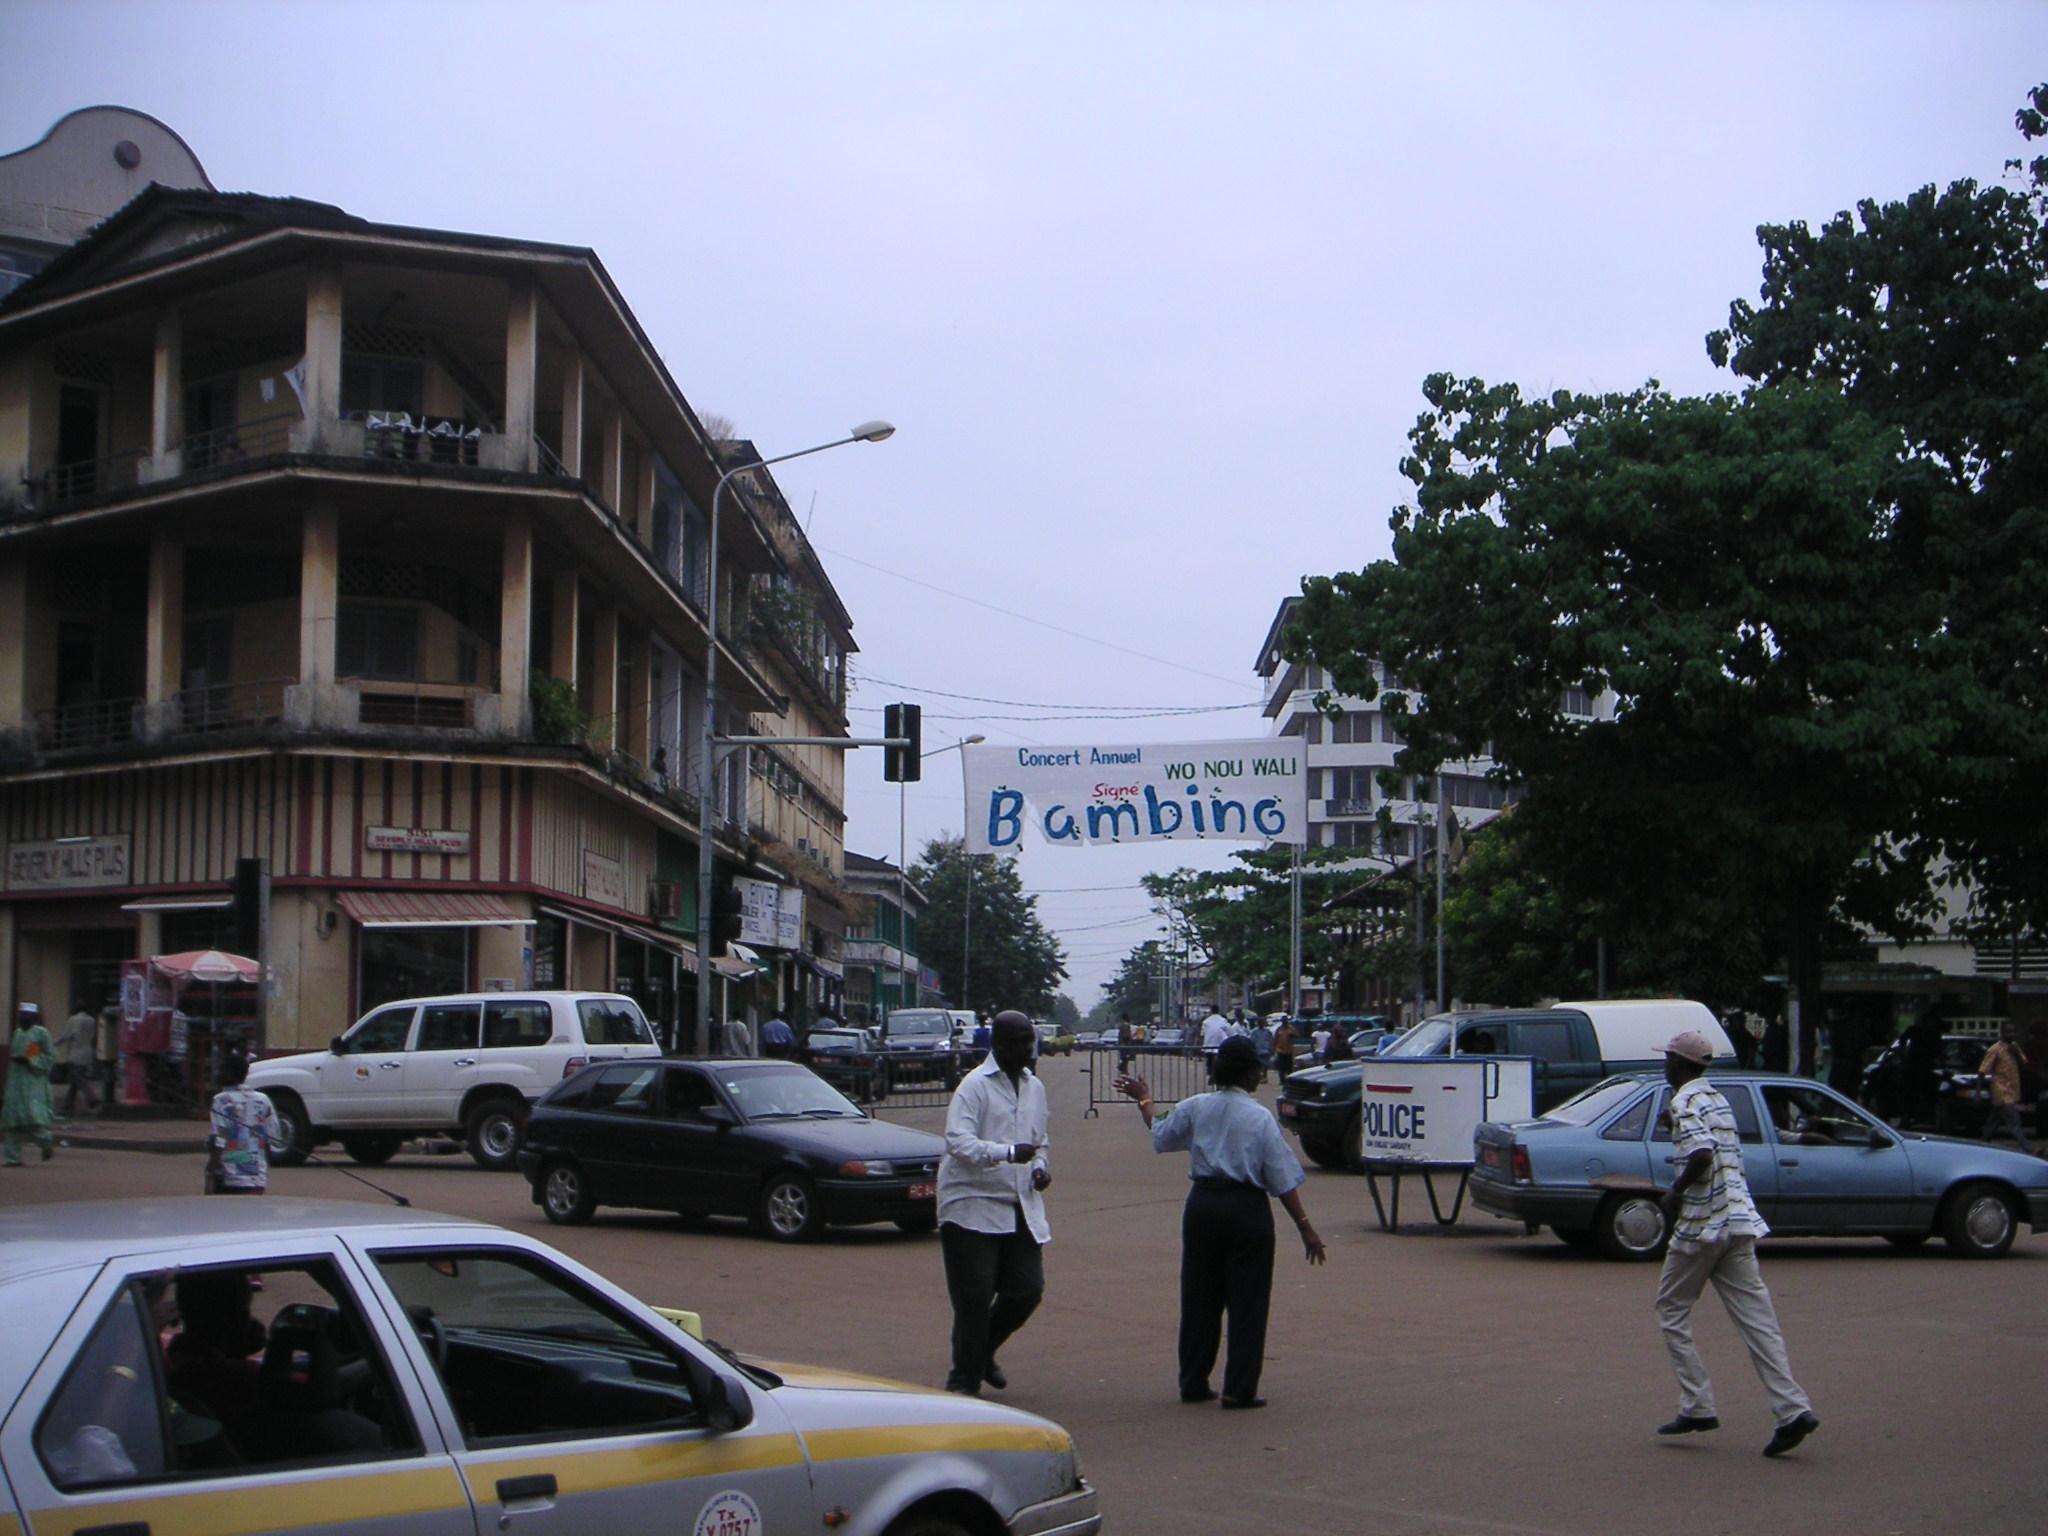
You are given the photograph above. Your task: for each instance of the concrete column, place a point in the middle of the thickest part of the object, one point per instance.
(323, 353)
(164, 633)
(643, 511)
(515, 624)
(167, 396)
(14, 700)
(522, 370)
(613, 489)
(640, 708)
(567, 619)
(319, 594)
(572, 414)
(603, 704)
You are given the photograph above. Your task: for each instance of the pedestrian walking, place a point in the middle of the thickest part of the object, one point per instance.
(25, 1111)
(736, 1039)
(1283, 1048)
(1126, 1043)
(1236, 1159)
(778, 1039)
(1714, 1230)
(244, 1133)
(106, 1053)
(1215, 1030)
(992, 1184)
(74, 1058)
(2003, 1064)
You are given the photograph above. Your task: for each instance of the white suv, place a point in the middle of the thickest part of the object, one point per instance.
(467, 1065)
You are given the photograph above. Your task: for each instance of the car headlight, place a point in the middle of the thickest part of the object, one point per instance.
(856, 1169)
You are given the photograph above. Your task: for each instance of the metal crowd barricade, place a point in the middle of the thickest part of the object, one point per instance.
(1172, 1072)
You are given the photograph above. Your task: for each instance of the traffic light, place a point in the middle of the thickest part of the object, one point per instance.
(903, 765)
(727, 922)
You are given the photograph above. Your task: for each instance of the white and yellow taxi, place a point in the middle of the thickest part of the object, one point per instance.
(210, 1367)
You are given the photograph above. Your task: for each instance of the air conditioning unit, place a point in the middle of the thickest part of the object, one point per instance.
(666, 898)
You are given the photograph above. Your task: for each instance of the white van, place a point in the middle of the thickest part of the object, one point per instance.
(466, 1065)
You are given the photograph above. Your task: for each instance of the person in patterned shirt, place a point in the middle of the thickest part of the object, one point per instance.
(1714, 1230)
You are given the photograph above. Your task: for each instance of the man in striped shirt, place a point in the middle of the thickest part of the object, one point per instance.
(1714, 1230)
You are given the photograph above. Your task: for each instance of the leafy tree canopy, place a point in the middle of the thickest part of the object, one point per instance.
(1014, 961)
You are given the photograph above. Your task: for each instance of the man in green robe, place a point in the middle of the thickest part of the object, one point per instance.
(27, 1108)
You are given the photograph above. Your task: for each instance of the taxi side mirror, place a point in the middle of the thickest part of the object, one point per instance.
(334, 1045)
(718, 1114)
(1879, 1140)
(726, 1404)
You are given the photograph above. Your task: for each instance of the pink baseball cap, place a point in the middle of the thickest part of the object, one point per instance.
(1693, 1046)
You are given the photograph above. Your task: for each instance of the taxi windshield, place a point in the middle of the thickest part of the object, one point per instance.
(921, 1021)
(788, 1093)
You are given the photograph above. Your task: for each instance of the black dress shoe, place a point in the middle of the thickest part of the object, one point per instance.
(993, 1375)
(1206, 1395)
(1690, 1424)
(1244, 1402)
(955, 1384)
(1789, 1435)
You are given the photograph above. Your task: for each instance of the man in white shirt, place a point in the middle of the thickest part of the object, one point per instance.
(992, 1184)
(1215, 1030)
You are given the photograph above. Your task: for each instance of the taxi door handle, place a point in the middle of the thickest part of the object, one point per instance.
(125, 1528)
(540, 1485)
(1788, 1162)
(465, 1061)
(390, 1066)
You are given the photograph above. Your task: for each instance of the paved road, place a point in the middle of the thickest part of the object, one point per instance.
(1465, 1381)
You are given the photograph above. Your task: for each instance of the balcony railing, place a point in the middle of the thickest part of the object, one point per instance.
(419, 439)
(218, 707)
(420, 706)
(88, 724)
(87, 478)
(238, 441)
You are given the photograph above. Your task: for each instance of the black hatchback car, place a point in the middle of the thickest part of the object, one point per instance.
(768, 1140)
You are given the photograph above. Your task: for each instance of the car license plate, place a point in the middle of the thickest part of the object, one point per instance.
(1288, 1110)
(924, 1191)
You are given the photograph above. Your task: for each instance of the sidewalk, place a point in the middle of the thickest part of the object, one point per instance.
(122, 1134)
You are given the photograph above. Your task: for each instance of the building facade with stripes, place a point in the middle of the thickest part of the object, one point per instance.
(379, 554)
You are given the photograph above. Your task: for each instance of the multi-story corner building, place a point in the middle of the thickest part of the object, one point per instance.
(378, 554)
(882, 969)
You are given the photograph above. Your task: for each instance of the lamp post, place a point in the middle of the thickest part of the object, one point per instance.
(903, 881)
(707, 735)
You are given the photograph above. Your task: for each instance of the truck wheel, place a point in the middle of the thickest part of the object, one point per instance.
(1978, 1222)
(1354, 1143)
(1324, 1154)
(296, 1128)
(493, 1130)
(372, 1149)
(1631, 1227)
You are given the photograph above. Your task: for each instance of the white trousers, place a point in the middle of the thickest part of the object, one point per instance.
(1732, 1266)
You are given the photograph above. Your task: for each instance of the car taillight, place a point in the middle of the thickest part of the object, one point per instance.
(1518, 1160)
(574, 1065)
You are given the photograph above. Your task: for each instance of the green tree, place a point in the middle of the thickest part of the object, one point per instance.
(1134, 989)
(1014, 962)
(1740, 570)
(1930, 316)
(1066, 1014)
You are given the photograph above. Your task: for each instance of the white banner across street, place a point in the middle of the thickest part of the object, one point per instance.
(1081, 796)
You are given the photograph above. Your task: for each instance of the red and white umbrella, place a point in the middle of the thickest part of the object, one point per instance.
(208, 965)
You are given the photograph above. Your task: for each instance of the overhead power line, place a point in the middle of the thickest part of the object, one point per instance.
(976, 698)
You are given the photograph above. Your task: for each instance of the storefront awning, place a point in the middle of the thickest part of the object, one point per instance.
(180, 904)
(660, 938)
(430, 909)
(748, 956)
(734, 969)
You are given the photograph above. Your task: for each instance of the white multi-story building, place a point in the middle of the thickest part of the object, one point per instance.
(1348, 756)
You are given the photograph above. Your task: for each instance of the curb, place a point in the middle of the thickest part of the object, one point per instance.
(132, 1143)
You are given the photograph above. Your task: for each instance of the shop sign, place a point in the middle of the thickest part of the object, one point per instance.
(415, 840)
(603, 879)
(68, 863)
(771, 914)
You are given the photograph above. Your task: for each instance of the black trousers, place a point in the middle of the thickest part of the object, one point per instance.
(995, 1280)
(1226, 1265)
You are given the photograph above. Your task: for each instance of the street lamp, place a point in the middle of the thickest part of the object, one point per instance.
(903, 880)
(866, 432)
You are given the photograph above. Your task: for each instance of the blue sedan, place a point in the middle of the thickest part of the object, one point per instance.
(1818, 1166)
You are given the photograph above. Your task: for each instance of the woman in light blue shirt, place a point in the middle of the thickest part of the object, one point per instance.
(1236, 1160)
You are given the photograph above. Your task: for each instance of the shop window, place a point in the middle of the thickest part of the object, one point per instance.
(412, 962)
(500, 1315)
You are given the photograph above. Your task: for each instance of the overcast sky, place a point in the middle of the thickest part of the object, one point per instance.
(1148, 289)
